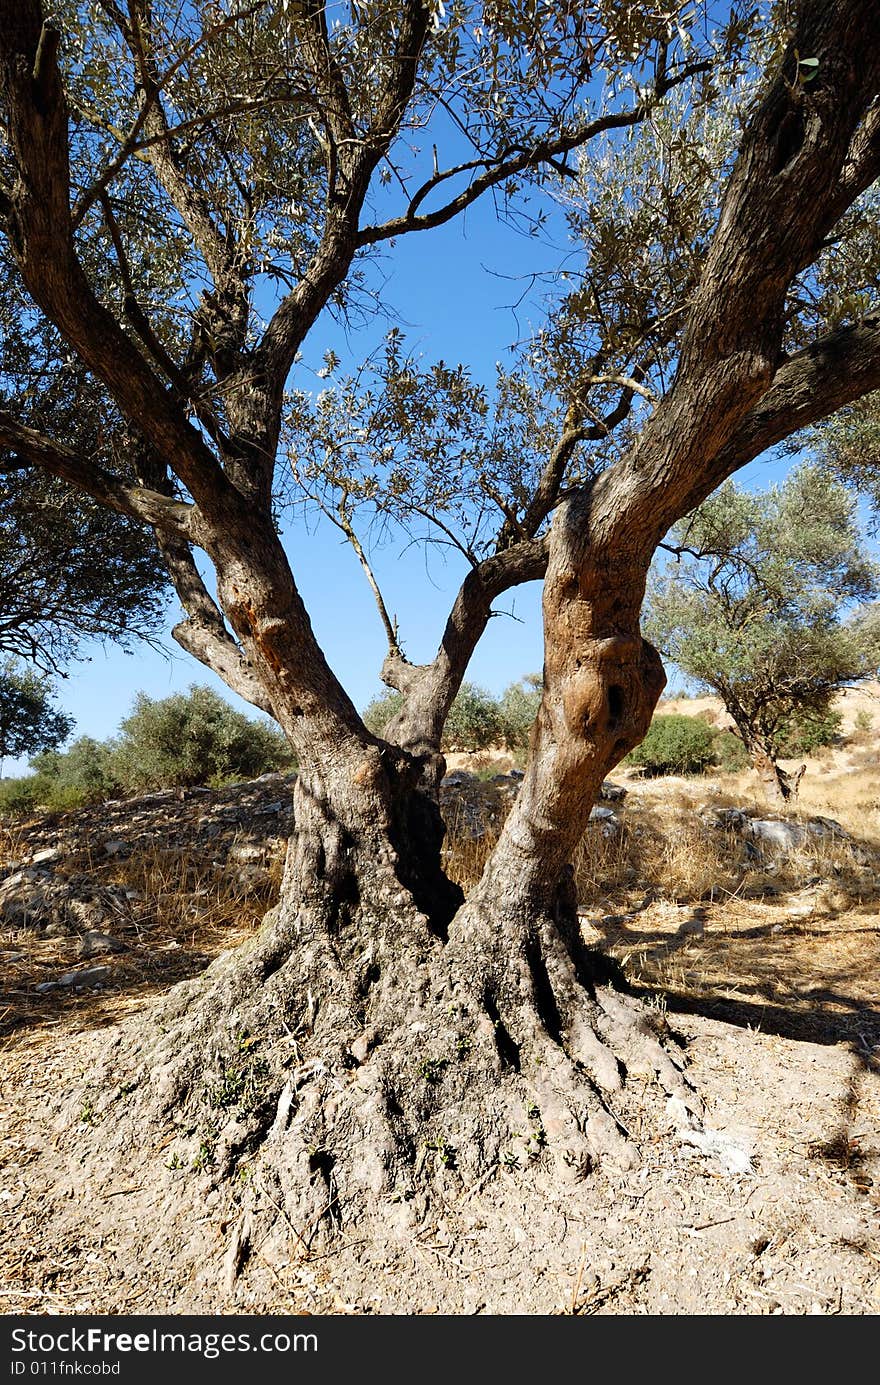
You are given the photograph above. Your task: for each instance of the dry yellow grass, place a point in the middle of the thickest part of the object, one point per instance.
(789, 943)
(680, 903)
(186, 909)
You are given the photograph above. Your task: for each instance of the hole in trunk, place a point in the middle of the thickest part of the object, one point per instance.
(508, 1051)
(789, 139)
(274, 962)
(322, 1162)
(616, 705)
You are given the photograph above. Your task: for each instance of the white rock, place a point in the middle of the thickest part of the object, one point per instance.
(731, 1156)
(778, 833)
(44, 857)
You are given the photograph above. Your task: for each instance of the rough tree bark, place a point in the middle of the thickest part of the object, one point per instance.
(378, 1025)
(780, 785)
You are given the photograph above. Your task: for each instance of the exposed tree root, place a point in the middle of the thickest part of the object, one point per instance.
(315, 1098)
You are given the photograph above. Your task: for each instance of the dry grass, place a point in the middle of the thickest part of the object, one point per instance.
(185, 910)
(684, 906)
(789, 942)
(665, 849)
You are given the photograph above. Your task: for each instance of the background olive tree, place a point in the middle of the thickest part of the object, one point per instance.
(29, 721)
(757, 607)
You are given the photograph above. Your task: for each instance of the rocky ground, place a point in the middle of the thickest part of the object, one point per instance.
(772, 993)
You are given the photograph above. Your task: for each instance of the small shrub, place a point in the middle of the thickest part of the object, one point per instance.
(862, 732)
(19, 798)
(806, 731)
(675, 745)
(381, 709)
(86, 773)
(730, 753)
(194, 738)
(474, 721)
(518, 708)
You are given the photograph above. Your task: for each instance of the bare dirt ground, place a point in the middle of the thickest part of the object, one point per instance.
(773, 1209)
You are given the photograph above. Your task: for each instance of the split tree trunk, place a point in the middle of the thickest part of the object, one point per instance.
(375, 1036)
(780, 785)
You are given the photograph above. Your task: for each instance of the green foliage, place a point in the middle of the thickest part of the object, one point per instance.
(194, 738)
(675, 745)
(863, 725)
(519, 707)
(86, 772)
(381, 709)
(848, 444)
(806, 731)
(474, 721)
(28, 720)
(188, 738)
(91, 573)
(729, 752)
(755, 606)
(19, 798)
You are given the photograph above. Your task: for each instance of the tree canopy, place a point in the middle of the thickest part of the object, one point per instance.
(757, 603)
(28, 720)
(72, 571)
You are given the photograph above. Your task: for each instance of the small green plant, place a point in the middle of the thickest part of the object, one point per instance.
(431, 1069)
(239, 1086)
(204, 1159)
(175, 1162)
(445, 1152)
(538, 1134)
(675, 745)
(863, 726)
(87, 1115)
(20, 798)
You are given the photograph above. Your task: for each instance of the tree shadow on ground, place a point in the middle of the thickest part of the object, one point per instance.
(130, 981)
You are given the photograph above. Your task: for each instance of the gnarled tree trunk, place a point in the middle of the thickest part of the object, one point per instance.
(375, 1043)
(375, 1038)
(780, 785)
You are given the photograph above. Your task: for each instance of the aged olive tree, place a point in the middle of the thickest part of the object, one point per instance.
(754, 608)
(160, 167)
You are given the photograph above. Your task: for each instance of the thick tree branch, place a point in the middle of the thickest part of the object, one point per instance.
(862, 165)
(808, 387)
(190, 203)
(430, 689)
(141, 324)
(573, 434)
(782, 199)
(138, 502)
(204, 633)
(354, 162)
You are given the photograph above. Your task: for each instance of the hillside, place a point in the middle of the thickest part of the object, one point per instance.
(865, 697)
(760, 954)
